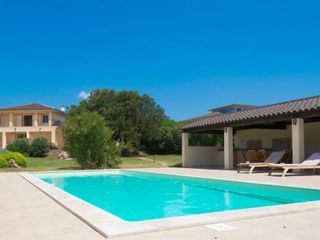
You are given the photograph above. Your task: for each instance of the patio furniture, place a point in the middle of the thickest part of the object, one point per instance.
(262, 154)
(274, 157)
(251, 156)
(313, 162)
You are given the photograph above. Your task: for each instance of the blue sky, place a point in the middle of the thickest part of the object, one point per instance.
(189, 55)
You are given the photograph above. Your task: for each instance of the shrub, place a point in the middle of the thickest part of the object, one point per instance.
(2, 151)
(90, 141)
(53, 146)
(128, 151)
(21, 145)
(39, 147)
(3, 162)
(19, 158)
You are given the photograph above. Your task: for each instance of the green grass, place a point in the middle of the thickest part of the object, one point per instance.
(152, 161)
(45, 164)
(52, 163)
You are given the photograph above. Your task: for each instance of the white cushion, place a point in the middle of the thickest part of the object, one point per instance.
(311, 162)
(314, 156)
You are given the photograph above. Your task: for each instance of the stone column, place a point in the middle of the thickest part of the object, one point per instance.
(298, 140)
(4, 140)
(53, 136)
(35, 120)
(50, 118)
(228, 148)
(185, 145)
(10, 120)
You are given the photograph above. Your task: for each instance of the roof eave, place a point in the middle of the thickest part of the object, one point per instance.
(254, 121)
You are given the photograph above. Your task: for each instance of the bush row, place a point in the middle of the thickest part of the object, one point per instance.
(19, 158)
(39, 147)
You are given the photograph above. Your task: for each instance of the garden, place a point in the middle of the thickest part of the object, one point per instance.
(110, 129)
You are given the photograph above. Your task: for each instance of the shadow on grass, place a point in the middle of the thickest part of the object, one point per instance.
(70, 168)
(176, 165)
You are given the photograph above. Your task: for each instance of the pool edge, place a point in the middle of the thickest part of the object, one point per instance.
(110, 225)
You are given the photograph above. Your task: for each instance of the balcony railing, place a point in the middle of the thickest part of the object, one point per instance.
(16, 123)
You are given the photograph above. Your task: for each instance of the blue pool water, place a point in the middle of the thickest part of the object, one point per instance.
(137, 196)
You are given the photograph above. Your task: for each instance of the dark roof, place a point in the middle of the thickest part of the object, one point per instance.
(284, 109)
(236, 105)
(193, 119)
(218, 111)
(32, 106)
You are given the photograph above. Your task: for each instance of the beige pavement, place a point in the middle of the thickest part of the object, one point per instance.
(292, 226)
(27, 213)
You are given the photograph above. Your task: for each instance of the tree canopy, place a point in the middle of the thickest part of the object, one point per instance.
(133, 118)
(169, 141)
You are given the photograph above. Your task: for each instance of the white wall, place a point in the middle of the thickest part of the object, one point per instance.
(266, 135)
(312, 138)
(311, 132)
(196, 156)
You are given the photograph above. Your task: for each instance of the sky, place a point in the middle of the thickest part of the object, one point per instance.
(189, 55)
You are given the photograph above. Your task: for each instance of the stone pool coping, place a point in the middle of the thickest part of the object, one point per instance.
(110, 225)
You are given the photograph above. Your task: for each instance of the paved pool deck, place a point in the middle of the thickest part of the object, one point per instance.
(27, 213)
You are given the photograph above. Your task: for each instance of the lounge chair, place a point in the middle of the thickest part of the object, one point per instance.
(313, 162)
(274, 157)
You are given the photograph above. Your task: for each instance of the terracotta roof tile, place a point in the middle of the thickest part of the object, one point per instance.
(274, 110)
(32, 106)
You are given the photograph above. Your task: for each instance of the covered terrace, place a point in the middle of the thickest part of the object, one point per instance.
(293, 126)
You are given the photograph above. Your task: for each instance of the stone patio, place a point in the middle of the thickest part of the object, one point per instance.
(27, 213)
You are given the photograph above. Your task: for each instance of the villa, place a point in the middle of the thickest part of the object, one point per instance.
(293, 126)
(31, 121)
(173, 203)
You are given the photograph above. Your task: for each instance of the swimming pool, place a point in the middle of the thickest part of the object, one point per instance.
(139, 196)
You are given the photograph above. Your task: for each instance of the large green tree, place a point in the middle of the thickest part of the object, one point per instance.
(89, 140)
(134, 118)
(169, 141)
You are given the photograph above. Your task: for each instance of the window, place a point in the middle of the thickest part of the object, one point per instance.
(21, 135)
(27, 120)
(281, 143)
(254, 144)
(203, 139)
(45, 118)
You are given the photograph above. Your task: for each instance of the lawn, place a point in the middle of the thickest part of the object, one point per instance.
(152, 161)
(52, 163)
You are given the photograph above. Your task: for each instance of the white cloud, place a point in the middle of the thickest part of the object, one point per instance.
(83, 95)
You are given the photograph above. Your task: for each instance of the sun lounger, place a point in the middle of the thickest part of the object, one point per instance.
(313, 162)
(274, 157)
